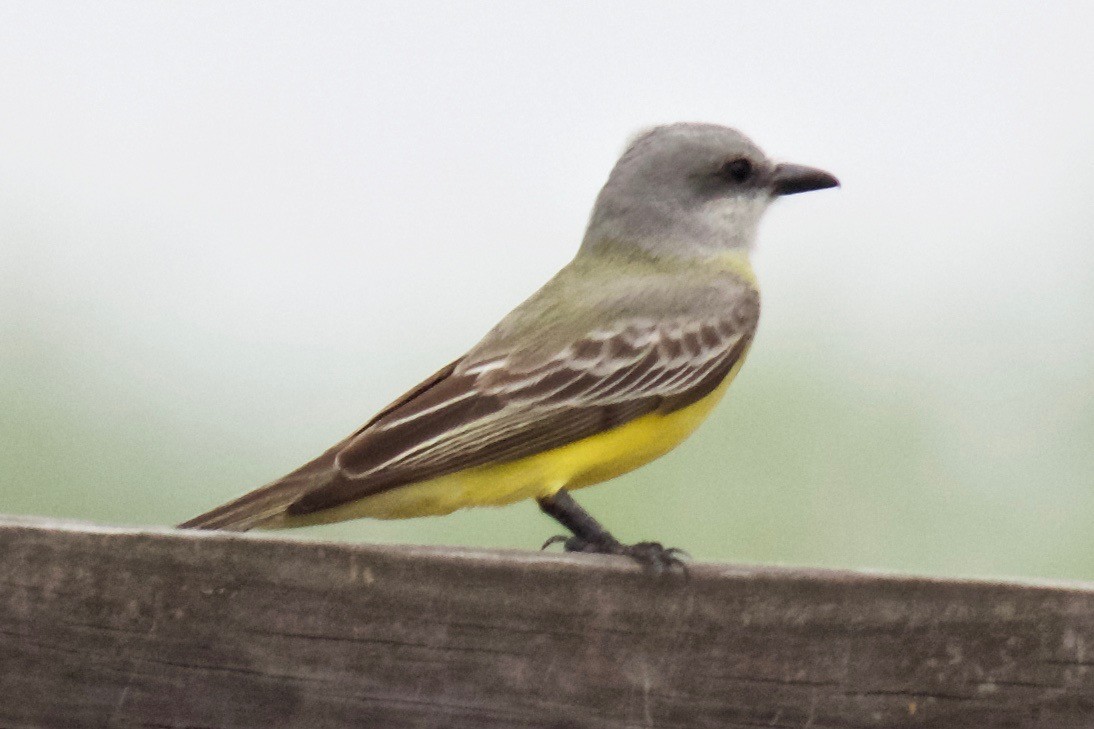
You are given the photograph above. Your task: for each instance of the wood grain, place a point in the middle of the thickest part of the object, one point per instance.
(105, 627)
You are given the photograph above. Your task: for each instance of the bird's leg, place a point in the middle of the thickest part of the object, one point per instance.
(589, 535)
(587, 530)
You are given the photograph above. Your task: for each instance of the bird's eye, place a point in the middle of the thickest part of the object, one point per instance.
(736, 170)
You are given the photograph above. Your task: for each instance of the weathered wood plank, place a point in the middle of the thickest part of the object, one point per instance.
(104, 627)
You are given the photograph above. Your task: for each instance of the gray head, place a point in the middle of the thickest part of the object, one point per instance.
(692, 189)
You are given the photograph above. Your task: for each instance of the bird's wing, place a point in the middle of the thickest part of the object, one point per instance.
(502, 407)
(256, 507)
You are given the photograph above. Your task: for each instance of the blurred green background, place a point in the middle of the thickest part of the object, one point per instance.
(231, 232)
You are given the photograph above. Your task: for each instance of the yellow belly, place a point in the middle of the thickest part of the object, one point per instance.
(576, 465)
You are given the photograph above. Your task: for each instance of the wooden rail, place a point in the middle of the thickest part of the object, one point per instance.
(109, 627)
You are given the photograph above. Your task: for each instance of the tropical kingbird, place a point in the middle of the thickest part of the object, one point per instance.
(610, 365)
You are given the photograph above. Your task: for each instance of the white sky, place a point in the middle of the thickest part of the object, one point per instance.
(250, 207)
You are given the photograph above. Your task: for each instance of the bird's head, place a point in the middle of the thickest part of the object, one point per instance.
(692, 188)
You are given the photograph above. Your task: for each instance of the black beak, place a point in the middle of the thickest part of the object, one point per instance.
(792, 179)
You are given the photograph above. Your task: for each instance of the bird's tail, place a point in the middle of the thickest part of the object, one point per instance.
(266, 506)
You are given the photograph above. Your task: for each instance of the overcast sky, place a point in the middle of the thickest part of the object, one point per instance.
(248, 208)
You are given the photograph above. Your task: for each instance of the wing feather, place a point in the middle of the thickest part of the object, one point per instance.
(498, 409)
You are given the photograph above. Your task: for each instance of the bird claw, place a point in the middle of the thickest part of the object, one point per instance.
(556, 539)
(656, 557)
(653, 556)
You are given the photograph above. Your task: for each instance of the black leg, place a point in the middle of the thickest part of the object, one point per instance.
(567, 512)
(589, 535)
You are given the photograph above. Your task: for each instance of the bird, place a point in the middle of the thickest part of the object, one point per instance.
(610, 365)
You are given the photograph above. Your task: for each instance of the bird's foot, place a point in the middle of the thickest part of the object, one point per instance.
(653, 556)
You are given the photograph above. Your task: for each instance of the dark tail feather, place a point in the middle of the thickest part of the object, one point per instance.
(265, 505)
